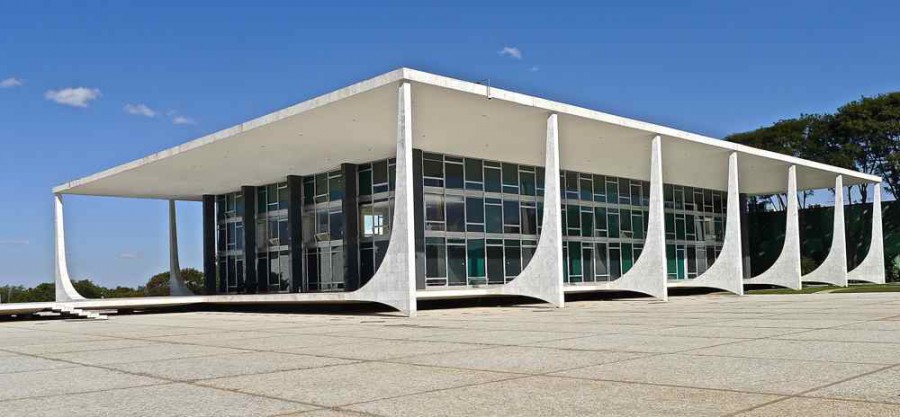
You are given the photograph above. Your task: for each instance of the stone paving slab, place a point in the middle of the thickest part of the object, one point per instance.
(821, 355)
(878, 353)
(637, 343)
(550, 397)
(385, 349)
(21, 363)
(217, 366)
(882, 386)
(66, 381)
(339, 385)
(823, 408)
(520, 359)
(162, 400)
(771, 376)
(139, 354)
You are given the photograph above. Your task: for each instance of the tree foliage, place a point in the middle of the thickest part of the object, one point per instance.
(158, 285)
(863, 135)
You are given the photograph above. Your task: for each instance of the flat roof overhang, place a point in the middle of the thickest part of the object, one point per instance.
(359, 124)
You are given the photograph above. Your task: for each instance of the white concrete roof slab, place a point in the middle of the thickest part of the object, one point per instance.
(358, 124)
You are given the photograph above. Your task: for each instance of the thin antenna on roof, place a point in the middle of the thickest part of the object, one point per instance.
(487, 83)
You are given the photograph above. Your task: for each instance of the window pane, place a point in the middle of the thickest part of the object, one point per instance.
(431, 168)
(454, 174)
(456, 213)
(475, 249)
(434, 208)
(474, 210)
(456, 265)
(493, 218)
(495, 265)
(513, 260)
(435, 260)
(365, 182)
(529, 221)
(379, 172)
(337, 226)
(602, 263)
(587, 190)
(587, 224)
(510, 213)
(527, 183)
(492, 180)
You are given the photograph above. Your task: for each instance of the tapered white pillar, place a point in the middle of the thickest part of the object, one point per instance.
(542, 278)
(177, 286)
(394, 283)
(727, 272)
(65, 291)
(648, 274)
(785, 272)
(833, 269)
(871, 269)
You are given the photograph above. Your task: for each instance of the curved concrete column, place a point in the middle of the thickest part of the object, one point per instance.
(727, 272)
(833, 269)
(542, 278)
(394, 284)
(785, 272)
(871, 269)
(65, 291)
(176, 282)
(648, 275)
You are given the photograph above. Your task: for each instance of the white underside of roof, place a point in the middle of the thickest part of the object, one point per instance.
(357, 124)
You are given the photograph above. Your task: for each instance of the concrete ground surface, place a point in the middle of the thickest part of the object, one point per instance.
(823, 355)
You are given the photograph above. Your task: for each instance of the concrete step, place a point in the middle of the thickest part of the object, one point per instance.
(71, 312)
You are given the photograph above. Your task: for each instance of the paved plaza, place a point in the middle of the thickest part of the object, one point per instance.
(817, 355)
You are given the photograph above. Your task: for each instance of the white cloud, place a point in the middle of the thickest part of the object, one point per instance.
(511, 51)
(75, 97)
(129, 255)
(182, 120)
(534, 68)
(10, 82)
(140, 110)
(15, 242)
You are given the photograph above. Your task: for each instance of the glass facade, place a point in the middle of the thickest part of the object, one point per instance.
(323, 231)
(273, 257)
(604, 225)
(695, 229)
(481, 221)
(375, 184)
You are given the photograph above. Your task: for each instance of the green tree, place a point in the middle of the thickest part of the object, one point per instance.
(868, 132)
(158, 285)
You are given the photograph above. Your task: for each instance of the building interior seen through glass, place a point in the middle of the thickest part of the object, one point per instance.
(481, 220)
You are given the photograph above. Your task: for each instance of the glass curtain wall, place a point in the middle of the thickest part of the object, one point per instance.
(482, 219)
(375, 183)
(273, 256)
(323, 231)
(695, 229)
(604, 225)
(230, 242)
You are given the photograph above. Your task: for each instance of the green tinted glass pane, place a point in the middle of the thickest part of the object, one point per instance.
(492, 180)
(365, 182)
(613, 225)
(627, 257)
(475, 248)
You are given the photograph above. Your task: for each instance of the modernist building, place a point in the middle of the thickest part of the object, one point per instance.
(413, 186)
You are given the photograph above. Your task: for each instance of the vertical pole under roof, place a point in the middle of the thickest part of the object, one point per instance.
(176, 281)
(209, 243)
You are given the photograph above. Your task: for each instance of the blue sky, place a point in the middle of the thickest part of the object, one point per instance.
(68, 71)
